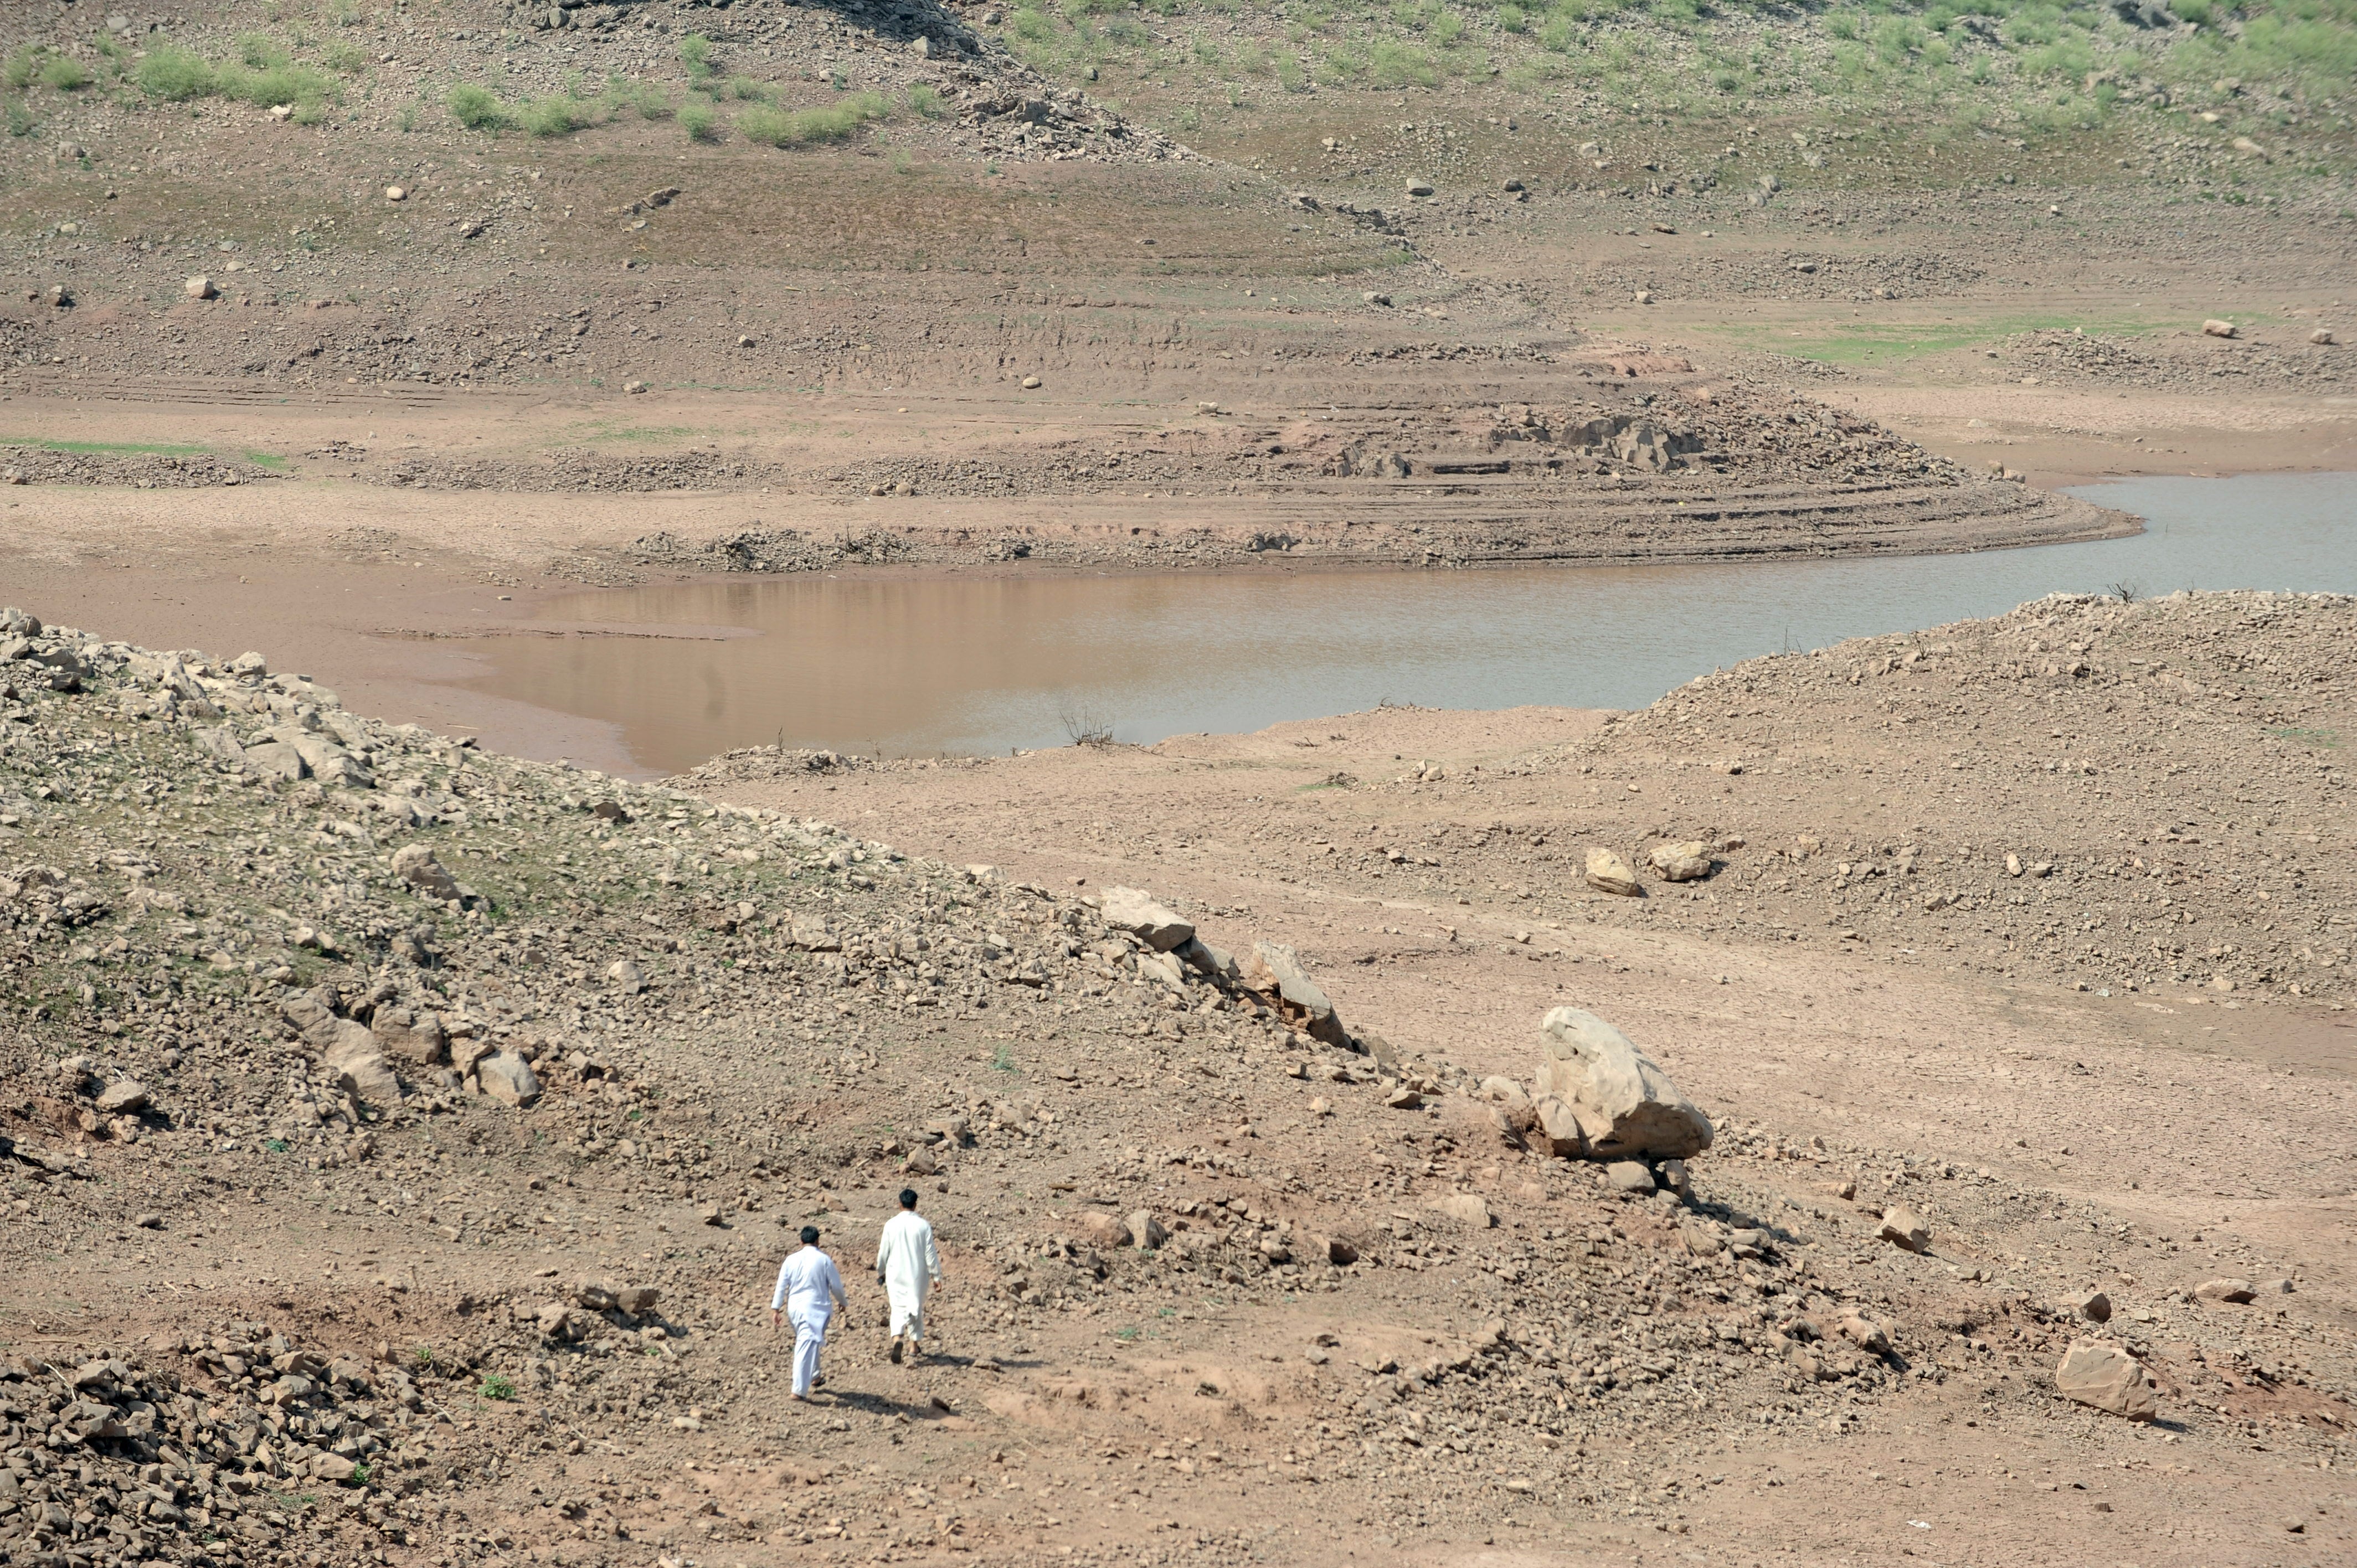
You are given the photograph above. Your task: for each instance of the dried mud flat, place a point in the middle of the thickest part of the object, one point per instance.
(368, 1202)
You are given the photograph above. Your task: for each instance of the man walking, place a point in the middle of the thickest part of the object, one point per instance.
(908, 1266)
(809, 1290)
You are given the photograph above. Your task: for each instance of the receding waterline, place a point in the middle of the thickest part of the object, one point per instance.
(922, 665)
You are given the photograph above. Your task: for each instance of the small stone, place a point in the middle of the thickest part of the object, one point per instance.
(1866, 1333)
(1403, 1099)
(1629, 1175)
(1686, 862)
(395, 193)
(2214, 328)
(1607, 873)
(625, 976)
(2221, 1293)
(149, 1222)
(1101, 1230)
(1030, 383)
(1419, 188)
(1644, 296)
(1902, 1227)
(2093, 1306)
(2322, 338)
(334, 1466)
(2276, 1287)
(199, 288)
(637, 1300)
(1146, 1232)
(634, 387)
(417, 864)
(1275, 971)
(1466, 1208)
(122, 1097)
(2109, 1379)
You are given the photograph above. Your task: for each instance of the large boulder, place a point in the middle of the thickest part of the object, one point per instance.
(1134, 910)
(1275, 971)
(1607, 873)
(2109, 1379)
(1625, 1104)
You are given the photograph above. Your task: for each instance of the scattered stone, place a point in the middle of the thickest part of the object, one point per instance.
(1134, 910)
(1607, 873)
(1902, 1227)
(1625, 1103)
(417, 864)
(1466, 1208)
(2224, 1292)
(2093, 1306)
(625, 975)
(2109, 1379)
(1101, 1230)
(122, 1097)
(1686, 862)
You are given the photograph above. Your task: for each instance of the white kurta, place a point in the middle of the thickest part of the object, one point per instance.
(910, 1265)
(809, 1290)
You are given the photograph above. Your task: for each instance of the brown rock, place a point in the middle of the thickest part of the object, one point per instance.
(1902, 1227)
(1467, 1208)
(409, 1037)
(2094, 1305)
(2219, 1292)
(1101, 1230)
(1146, 1232)
(2109, 1379)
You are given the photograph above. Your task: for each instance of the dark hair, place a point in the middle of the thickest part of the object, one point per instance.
(809, 1235)
(908, 1198)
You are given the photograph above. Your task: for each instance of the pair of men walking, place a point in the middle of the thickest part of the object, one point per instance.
(810, 1289)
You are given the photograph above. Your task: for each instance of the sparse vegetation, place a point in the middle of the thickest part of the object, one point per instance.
(701, 122)
(800, 127)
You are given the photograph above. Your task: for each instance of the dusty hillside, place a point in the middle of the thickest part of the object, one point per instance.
(290, 1095)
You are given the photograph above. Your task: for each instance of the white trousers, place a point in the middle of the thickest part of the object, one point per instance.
(907, 1317)
(809, 1337)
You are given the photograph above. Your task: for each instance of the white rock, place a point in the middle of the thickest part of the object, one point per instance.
(1625, 1103)
(199, 288)
(1686, 862)
(417, 864)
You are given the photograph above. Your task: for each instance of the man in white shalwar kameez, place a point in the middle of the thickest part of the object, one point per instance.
(809, 1292)
(909, 1267)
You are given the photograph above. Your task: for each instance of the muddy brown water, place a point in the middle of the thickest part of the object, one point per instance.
(922, 665)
